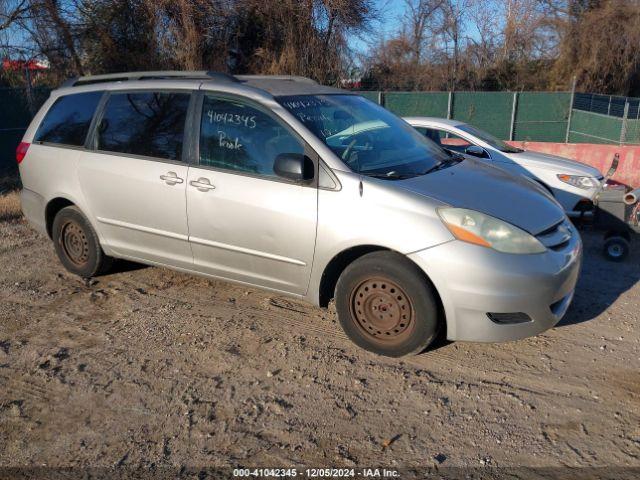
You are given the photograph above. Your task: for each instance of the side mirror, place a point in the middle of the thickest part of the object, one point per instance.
(476, 151)
(294, 166)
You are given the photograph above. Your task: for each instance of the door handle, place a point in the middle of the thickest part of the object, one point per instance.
(171, 178)
(202, 184)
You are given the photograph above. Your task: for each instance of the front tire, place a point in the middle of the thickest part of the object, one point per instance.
(77, 245)
(386, 305)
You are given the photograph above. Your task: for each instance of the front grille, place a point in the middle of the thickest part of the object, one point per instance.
(557, 236)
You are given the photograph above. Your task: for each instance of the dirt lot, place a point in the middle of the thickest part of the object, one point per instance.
(151, 367)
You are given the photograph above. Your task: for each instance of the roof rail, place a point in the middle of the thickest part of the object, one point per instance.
(153, 75)
(291, 78)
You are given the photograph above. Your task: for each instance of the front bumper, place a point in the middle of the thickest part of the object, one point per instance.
(473, 281)
(575, 201)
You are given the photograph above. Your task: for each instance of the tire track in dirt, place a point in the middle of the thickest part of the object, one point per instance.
(150, 366)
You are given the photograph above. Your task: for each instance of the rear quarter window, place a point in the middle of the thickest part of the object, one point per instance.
(67, 121)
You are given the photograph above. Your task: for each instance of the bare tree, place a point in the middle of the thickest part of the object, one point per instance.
(419, 22)
(11, 11)
(600, 45)
(453, 16)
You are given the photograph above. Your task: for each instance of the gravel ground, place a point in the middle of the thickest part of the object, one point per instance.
(148, 367)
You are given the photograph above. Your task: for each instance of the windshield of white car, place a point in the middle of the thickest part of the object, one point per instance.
(488, 138)
(369, 139)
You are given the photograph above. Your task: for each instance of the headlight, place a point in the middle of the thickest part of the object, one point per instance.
(578, 181)
(480, 229)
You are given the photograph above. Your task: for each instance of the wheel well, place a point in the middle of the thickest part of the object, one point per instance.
(626, 234)
(546, 187)
(336, 266)
(52, 209)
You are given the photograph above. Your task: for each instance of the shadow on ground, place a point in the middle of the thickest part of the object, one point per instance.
(601, 281)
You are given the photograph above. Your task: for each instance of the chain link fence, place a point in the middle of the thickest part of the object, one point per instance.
(525, 116)
(605, 119)
(528, 116)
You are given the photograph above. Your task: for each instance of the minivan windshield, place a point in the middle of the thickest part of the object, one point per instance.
(488, 138)
(369, 139)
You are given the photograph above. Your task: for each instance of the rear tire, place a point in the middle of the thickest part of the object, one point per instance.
(386, 305)
(77, 244)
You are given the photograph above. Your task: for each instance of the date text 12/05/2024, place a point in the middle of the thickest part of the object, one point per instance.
(316, 472)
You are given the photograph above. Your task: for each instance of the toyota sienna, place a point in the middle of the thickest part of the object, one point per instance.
(281, 183)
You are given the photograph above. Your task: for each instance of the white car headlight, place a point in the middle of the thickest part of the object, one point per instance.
(480, 229)
(579, 181)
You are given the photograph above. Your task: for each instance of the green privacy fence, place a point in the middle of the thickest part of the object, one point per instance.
(589, 127)
(17, 107)
(489, 110)
(529, 116)
(534, 116)
(407, 104)
(525, 116)
(592, 127)
(542, 116)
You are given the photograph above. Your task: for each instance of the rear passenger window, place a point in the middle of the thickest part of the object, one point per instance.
(150, 124)
(67, 121)
(236, 136)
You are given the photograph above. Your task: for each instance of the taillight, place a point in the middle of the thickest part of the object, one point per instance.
(21, 151)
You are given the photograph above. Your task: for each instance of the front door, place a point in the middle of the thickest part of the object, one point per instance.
(135, 179)
(246, 223)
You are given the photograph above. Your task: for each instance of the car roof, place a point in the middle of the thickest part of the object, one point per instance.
(278, 85)
(265, 85)
(434, 121)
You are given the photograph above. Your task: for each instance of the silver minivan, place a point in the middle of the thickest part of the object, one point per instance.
(281, 183)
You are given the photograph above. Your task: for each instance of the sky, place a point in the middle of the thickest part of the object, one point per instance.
(390, 12)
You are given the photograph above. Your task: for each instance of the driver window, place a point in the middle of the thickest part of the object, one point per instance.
(238, 137)
(446, 139)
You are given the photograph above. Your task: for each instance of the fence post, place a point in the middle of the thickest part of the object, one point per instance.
(450, 106)
(623, 129)
(514, 107)
(380, 98)
(573, 94)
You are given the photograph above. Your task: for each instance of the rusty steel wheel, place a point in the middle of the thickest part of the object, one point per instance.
(387, 305)
(77, 244)
(74, 242)
(382, 310)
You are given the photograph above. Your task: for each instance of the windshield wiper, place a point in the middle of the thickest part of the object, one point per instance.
(392, 175)
(389, 175)
(454, 158)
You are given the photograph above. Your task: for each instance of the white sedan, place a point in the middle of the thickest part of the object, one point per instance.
(573, 184)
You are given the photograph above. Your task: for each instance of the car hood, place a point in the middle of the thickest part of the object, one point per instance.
(472, 184)
(553, 162)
